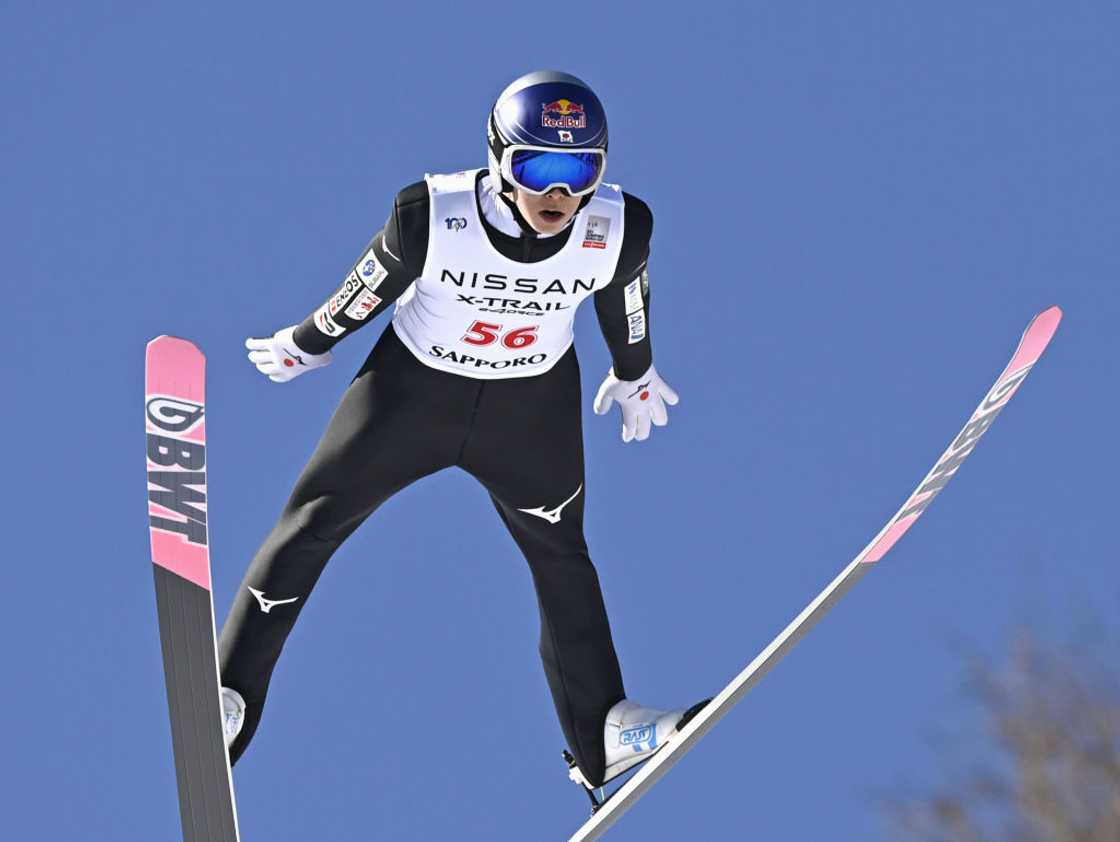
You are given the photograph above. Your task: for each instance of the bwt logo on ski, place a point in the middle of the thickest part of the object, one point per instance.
(174, 414)
(638, 735)
(958, 451)
(176, 468)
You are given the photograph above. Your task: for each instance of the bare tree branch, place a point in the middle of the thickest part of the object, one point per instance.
(1053, 763)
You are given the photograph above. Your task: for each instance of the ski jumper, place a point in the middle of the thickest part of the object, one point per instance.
(478, 364)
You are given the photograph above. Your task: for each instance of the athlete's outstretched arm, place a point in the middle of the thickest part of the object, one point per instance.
(623, 309)
(398, 250)
(391, 261)
(623, 305)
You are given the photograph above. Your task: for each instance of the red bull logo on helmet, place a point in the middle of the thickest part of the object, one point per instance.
(563, 114)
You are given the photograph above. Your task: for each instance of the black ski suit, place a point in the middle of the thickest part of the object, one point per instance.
(400, 420)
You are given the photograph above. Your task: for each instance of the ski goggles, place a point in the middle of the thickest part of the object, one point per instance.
(539, 169)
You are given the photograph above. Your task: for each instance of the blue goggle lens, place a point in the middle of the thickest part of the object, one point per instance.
(536, 170)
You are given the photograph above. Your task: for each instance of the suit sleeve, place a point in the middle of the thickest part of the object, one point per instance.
(623, 305)
(392, 260)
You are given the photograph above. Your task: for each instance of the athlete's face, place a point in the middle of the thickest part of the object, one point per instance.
(547, 214)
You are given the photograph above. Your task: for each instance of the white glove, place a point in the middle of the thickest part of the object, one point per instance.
(642, 401)
(279, 358)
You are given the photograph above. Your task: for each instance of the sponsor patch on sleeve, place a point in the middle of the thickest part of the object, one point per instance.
(634, 296)
(637, 326)
(325, 323)
(362, 305)
(350, 286)
(371, 271)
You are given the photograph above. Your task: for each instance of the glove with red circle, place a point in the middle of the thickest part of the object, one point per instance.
(279, 358)
(642, 402)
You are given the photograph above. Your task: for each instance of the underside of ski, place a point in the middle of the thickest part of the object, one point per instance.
(1037, 336)
(174, 409)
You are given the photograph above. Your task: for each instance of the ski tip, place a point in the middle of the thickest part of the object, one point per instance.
(1050, 315)
(168, 339)
(172, 346)
(1037, 336)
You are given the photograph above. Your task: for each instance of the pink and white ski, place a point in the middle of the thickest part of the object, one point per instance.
(1037, 336)
(175, 421)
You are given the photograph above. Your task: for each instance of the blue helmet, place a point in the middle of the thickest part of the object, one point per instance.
(540, 112)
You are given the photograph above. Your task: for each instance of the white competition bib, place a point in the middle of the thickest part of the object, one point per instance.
(477, 313)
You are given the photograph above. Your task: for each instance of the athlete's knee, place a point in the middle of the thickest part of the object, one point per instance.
(319, 517)
(560, 544)
(572, 563)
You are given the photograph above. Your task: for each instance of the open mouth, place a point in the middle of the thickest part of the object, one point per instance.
(551, 215)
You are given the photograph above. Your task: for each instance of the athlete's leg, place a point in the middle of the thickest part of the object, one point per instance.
(398, 421)
(526, 447)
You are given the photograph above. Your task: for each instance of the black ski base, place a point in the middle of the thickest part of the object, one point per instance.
(186, 625)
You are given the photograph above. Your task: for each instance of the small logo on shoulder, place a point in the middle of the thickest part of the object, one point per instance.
(597, 231)
(456, 223)
(372, 272)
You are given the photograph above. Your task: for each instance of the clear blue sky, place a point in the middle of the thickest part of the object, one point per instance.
(859, 206)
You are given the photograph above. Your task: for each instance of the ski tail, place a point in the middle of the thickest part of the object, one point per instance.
(175, 423)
